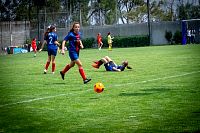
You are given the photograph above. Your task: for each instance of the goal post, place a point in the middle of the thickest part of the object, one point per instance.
(190, 31)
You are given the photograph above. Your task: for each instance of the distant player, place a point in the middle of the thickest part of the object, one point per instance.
(34, 46)
(110, 40)
(110, 65)
(99, 41)
(75, 44)
(51, 39)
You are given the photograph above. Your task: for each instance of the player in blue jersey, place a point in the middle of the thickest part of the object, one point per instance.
(51, 39)
(75, 44)
(110, 65)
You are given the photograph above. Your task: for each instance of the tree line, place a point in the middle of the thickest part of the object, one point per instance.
(97, 12)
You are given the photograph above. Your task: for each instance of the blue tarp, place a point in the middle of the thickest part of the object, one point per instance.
(19, 50)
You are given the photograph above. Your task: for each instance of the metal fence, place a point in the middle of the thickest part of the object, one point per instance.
(17, 33)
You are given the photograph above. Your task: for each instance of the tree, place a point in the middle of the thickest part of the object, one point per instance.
(188, 11)
(138, 13)
(102, 12)
(128, 9)
(8, 9)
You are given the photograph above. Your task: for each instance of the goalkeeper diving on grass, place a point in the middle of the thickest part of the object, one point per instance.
(110, 65)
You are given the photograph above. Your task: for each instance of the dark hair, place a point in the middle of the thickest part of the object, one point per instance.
(52, 28)
(47, 31)
(72, 29)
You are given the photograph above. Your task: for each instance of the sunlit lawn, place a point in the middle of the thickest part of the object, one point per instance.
(160, 94)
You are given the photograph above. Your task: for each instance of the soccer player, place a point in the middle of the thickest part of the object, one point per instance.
(99, 41)
(34, 46)
(75, 44)
(51, 39)
(110, 65)
(45, 37)
(110, 40)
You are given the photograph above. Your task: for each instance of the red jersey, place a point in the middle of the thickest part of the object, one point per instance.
(33, 44)
(99, 39)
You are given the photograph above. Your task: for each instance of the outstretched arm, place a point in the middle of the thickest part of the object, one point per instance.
(57, 43)
(81, 44)
(44, 42)
(115, 69)
(63, 47)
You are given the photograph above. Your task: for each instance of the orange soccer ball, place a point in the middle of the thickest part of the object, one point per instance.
(99, 87)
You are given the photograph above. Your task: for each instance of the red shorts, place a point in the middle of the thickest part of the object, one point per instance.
(34, 49)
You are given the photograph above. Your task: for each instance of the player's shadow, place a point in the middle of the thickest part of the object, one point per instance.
(163, 89)
(55, 83)
(100, 71)
(94, 98)
(134, 94)
(145, 92)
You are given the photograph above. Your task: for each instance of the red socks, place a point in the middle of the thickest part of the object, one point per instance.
(66, 69)
(82, 73)
(53, 67)
(47, 65)
(100, 63)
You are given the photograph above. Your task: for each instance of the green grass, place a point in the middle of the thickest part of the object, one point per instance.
(161, 93)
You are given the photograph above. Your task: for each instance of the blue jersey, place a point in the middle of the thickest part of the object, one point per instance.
(51, 46)
(74, 45)
(110, 65)
(51, 38)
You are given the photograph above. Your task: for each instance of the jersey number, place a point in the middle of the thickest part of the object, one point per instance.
(50, 40)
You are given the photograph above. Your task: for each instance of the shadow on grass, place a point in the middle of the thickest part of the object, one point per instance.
(94, 98)
(134, 94)
(25, 119)
(145, 92)
(102, 71)
(56, 84)
(156, 90)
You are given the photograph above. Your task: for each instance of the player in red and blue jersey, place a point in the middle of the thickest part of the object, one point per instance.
(51, 39)
(75, 44)
(110, 65)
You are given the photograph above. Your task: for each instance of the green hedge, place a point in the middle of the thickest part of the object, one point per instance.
(177, 38)
(89, 42)
(131, 41)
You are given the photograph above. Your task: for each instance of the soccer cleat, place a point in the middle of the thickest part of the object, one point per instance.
(96, 62)
(45, 71)
(52, 72)
(128, 67)
(86, 81)
(95, 65)
(62, 75)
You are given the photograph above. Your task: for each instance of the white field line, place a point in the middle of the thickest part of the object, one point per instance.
(31, 100)
(156, 79)
(139, 82)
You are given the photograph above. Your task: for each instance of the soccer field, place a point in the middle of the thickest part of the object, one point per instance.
(160, 94)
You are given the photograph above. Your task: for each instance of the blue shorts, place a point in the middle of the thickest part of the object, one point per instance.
(73, 55)
(52, 51)
(109, 66)
(121, 67)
